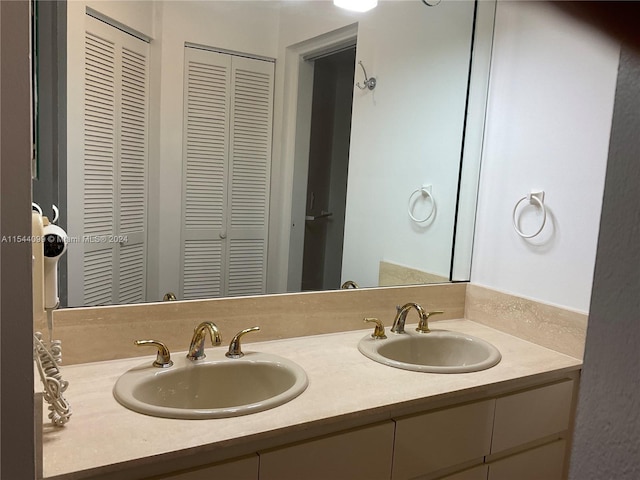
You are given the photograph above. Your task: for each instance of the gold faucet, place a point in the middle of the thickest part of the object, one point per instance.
(196, 349)
(349, 284)
(401, 317)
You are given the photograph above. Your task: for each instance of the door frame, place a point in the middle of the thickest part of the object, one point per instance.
(286, 230)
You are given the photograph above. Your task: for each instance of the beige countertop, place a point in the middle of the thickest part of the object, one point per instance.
(345, 390)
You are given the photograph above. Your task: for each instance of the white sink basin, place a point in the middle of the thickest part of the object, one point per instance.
(439, 351)
(215, 387)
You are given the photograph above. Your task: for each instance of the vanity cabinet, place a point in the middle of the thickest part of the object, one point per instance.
(476, 473)
(545, 462)
(523, 423)
(518, 435)
(531, 415)
(437, 440)
(245, 468)
(363, 453)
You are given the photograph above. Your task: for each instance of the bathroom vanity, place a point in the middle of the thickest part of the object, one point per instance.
(357, 419)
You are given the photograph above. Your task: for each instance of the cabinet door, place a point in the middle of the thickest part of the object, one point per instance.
(362, 454)
(433, 441)
(531, 415)
(542, 463)
(241, 469)
(476, 473)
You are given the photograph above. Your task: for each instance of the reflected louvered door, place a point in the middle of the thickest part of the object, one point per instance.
(250, 169)
(107, 259)
(94, 284)
(133, 160)
(205, 170)
(226, 169)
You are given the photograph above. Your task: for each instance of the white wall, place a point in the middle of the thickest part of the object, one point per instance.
(548, 123)
(405, 134)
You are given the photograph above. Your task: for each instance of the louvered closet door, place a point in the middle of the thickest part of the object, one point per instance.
(207, 80)
(250, 166)
(133, 150)
(107, 262)
(226, 170)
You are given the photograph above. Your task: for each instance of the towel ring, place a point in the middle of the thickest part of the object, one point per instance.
(536, 198)
(425, 192)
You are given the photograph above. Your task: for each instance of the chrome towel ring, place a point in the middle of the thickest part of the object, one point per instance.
(425, 192)
(534, 198)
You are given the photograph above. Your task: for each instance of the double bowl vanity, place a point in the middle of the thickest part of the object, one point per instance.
(220, 385)
(324, 406)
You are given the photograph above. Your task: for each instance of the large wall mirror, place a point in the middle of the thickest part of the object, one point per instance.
(230, 148)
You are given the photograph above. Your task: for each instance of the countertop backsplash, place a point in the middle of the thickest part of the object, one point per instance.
(107, 333)
(93, 334)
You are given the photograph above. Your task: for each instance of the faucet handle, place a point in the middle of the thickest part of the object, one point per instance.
(163, 359)
(378, 331)
(423, 325)
(234, 347)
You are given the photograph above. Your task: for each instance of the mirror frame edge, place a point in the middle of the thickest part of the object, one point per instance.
(473, 142)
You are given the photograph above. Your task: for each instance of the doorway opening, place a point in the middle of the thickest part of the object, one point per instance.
(332, 99)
